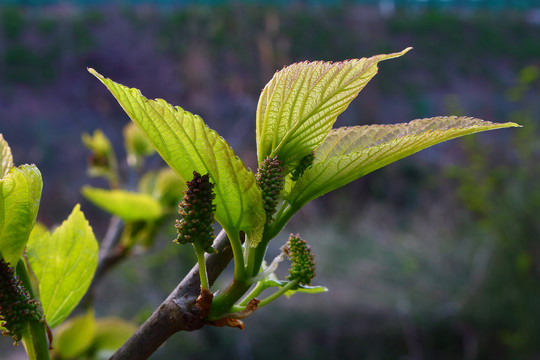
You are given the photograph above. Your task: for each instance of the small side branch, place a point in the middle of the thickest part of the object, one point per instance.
(177, 312)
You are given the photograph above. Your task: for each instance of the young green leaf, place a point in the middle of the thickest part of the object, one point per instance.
(129, 206)
(20, 193)
(74, 337)
(111, 333)
(351, 152)
(307, 289)
(64, 264)
(163, 185)
(6, 159)
(185, 142)
(298, 107)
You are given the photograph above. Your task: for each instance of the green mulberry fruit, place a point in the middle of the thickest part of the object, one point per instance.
(197, 210)
(302, 260)
(16, 305)
(304, 164)
(270, 182)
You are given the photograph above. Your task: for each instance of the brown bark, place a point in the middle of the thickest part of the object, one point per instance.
(178, 312)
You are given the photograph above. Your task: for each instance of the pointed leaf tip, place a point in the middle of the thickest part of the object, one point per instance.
(348, 153)
(64, 263)
(299, 105)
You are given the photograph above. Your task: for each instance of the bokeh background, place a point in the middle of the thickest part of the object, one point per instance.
(434, 257)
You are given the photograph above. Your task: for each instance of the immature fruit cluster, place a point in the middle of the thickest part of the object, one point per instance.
(270, 182)
(305, 162)
(302, 260)
(16, 306)
(197, 213)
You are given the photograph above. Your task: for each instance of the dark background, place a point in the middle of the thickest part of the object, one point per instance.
(434, 257)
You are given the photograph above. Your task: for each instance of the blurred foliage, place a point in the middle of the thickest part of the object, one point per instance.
(501, 191)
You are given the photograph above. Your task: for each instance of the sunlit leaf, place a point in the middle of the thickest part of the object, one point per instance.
(185, 142)
(351, 152)
(298, 107)
(6, 159)
(98, 143)
(20, 193)
(164, 185)
(64, 264)
(129, 206)
(74, 337)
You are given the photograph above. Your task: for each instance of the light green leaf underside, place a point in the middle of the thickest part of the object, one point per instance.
(185, 142)
(112, 332)
(298, 107)
(20, 193)
(163, 185)
(6, 159)
(74, 337)
(301, 288)
(129, 206)
(64, 264)
(351, 152)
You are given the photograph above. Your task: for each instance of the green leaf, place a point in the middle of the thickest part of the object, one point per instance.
(20, 193)
(112, 332)
(102, 161)
(351, 152)
(74, 337)
(185, 142)
(6, 159)
(64, 264)
(129, 206)
(98, 143)
(135, 141)
(298, 107)
(163, 185)
(301, 288)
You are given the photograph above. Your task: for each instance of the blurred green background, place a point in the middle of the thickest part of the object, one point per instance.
(434, 257)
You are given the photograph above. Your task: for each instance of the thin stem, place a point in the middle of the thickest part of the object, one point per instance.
(199, 251)
(259, 288)
(270, 269)
(236, 245)
(34, 334)
(278, 293)
(282, 208)
(28, 343)
(256, 256)
(176, 312)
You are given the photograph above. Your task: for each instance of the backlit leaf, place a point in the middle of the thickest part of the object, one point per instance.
(64, 264)
(351, 152)
(74, 337)
(129, 206)
(20, 193)
(185, 142)
(6, 159)
(298, 107)
(112, 332)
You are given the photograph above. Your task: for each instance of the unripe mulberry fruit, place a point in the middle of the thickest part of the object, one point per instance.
(197, 210)
(304, 164)
(302, 260)
(16, 305)
(270, 182)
